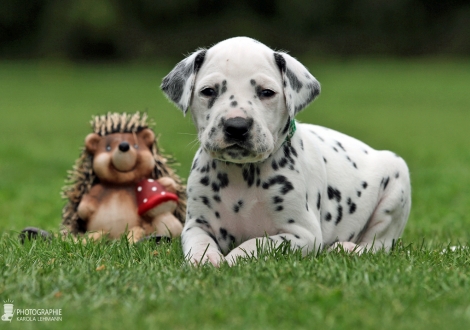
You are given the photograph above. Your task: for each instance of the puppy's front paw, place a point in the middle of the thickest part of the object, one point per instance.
(348, 247)
(215, 258)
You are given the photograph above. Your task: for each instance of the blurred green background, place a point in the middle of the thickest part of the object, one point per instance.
(395, 74)
(137, 29)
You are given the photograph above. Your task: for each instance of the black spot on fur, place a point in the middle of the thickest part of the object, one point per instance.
(215, 187)
(280, 62)
(334, 193)
(249, 174)
(286, 185)
(217, 215)
(199, 60)
(224, 233)
(238, 206)
(283, 162)
(279, 208)
(324, 159)
(295, 83)
(205, 168)
(216, 198)
(351, 237)
(318, 201)
(223, 179)
(397, 175)
(233, 103)
(291, 221)
(231, 97)
(364, 185)
(194, 164)
(386, 182)
(205, 180)
(224, 87)
(253, 82)
(340, 214)
(214, 239)
(206, 201)
(202, 221)
(297, 236)
(352, 208)
(359, 193)
(277, 199)
(340, 145)
(328, 216)
(286, 126)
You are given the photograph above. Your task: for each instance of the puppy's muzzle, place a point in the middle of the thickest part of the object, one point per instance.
(237, 129)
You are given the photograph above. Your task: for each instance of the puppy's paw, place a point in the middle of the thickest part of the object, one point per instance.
(348, 247)
(212, 257)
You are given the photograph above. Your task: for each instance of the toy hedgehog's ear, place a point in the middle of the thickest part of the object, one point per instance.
(92, 141)
(300, 87)
(147, 136)
(178, 85)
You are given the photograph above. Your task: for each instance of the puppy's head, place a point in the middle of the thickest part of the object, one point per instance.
(242, 95)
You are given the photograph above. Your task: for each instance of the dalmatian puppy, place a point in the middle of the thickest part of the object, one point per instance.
(260, 178)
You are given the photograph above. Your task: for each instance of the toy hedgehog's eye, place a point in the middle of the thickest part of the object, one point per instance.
(136, 146)
(108, 148)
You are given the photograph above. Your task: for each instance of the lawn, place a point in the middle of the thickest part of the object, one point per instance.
(419, 109)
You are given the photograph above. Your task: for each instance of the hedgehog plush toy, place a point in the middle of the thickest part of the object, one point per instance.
(122, 184)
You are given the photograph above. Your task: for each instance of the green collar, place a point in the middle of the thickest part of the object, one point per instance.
(292, 129)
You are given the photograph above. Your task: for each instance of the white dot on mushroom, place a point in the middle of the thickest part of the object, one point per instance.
(139, 188)
(145, 200)
(154, 188)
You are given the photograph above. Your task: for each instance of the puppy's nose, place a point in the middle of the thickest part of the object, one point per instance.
(124, 146)
(237, 128)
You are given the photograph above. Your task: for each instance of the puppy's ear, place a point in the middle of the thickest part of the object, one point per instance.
(178, 85)
(300, 87)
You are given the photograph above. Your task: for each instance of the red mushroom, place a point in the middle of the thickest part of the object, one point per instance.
(150, 193)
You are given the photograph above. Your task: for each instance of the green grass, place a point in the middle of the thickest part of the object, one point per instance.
(418, 109)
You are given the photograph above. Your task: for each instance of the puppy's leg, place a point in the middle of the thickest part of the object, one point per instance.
(199, 247)
(387, 222)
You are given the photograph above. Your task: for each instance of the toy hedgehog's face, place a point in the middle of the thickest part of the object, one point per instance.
(122, 158)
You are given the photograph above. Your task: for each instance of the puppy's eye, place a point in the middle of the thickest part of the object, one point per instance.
(108, 148)
(136, 146)
(267, 93)
(209, 92)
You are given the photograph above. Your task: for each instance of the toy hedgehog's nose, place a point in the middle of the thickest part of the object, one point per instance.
(124, 146)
